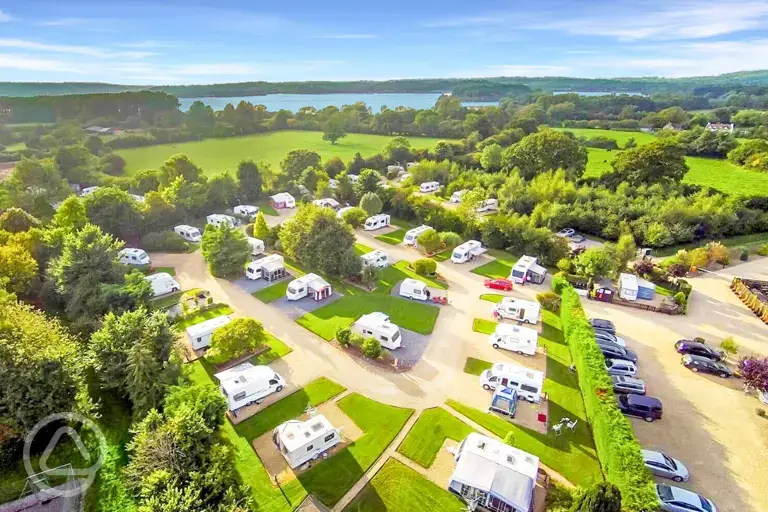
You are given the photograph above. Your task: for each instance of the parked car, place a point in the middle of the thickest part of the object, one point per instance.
(577, 238)
(661, 464)
(566, 232)
(603, 325)
(605, 335)
(645, 407)
(499, 284)
(620, 367)
(625, 384)
(699, 349)
(702, 364)
(676, 499)
(614, 351)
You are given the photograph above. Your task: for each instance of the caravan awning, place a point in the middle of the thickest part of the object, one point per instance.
(537, 269)
(506, 484)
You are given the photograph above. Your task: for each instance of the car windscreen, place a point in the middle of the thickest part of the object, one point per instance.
(669, 461)
(665, 492)
(705, 504)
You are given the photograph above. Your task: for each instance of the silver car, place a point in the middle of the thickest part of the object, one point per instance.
(623, 384)
(620, 367)
(676, 499)
(603, 335)
(661, 464)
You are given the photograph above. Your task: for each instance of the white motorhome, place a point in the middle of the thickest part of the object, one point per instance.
(310, 285)
(412, 235)
(429, 186)
(257, 246)
(270, 267)
(162, 283)
(378, 326)
(414, 289)
(487, 206)
(376, 258)
(342, 211)
(302, 441)
(188, 233)
(456, 196)
(246, 210)
(133, 256)
(199, 335)
(526, 311)
(467, 251)
(217, 219)
(89, 190)
(376, 222)
(246, 383)
(514, 338)
(528, 383)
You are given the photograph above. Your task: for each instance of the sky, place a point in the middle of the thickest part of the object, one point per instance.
(185, 42)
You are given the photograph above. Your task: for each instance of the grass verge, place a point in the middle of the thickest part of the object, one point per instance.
(277, 349)
(474, 366)
(361, 249)
(266, 207)
(393, 237)
(273, 292)
(213, 312)
(428, 434)
(483, 326)
(492, 297)
(499, 268)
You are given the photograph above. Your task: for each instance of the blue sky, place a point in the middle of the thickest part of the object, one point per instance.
(171, 42)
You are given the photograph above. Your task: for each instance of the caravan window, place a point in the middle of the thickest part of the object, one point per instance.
(530, 389)
(396, 336)
(199, 340)
(292, 290)
(273, 382)
(239, 396)
(417, 292)
(310, 448)
(329, 437)
(517, 273)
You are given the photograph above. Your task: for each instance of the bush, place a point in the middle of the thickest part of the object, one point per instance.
(559, 282)
(550, 301)
(355, 216)
(729, 346)
(678, 269)
(356, 339)
(343, 335)
(430, 241)
(371, 348)
(601, 497)
(164, 241)
(744, 256)
(450, 239)
(424, 266)
(763, 250)
(680, 298)
(685, 287)
(565, 265)
(239, 337)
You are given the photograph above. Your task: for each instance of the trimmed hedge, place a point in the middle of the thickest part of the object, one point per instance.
(617, 446)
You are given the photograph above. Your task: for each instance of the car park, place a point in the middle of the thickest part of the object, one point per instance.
(614, 351)
(661, 464)
(603, 325)
(697, 348)
(620, 367)
(677, 499)
(645, 407)
(499, 284)
(612, 338)
(626, 384)
(702, 364)
(566, 232)
(577, 238)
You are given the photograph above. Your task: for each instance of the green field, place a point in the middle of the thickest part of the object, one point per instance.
(218, 155)
(619, 136)
(428, 434)
(393, 237)
(213, 312)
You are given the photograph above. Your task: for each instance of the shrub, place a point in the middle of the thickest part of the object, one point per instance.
(729, 346)
(356, 339)
(565, 265)
(343, 335)
(355, 216)
(601, 497)
(450, 239)
(725, 261)
(685, 287)
(678, 269)
(371, 348)
(680, 298)
(763, 250)
(165, 241)
(239, 337)
(430, 241)
(744, 256)
(424, 266)
(550, 301)
(559, 282)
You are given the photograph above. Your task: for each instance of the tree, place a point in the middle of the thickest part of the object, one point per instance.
(221, 192)
(334, 129)
(544, 151)
(296, 161)
(16, 220)
(630, 143)
(625, 249)
(146, 180)
(113, 164)
(71, 214)
(367, 181)
(355, 216)
(490, 158)
(249, 180)
(596, 262)
(371, 203)
(754, 372)
(17, 267)
(398, 150)
(424, 266)
(601, 497)
(661, 161)
(334, 166)
(371, 348)
(225, 250)
(74, 163)
(36, 182)
(450, 239)
(179, 165)
(239, 337)
(746, 150)
(369, 276)
(114, 211)
(430, 241)
(200, 118)
(260, 228)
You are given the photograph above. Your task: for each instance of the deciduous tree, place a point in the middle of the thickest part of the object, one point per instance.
(544, 151)
(371, 203)
(661, 161)
(249, 180)
(239, 337)
(17, 266)
(334, 129)
(114, 211)
(490, 158)
(430, 241)
(225, 250)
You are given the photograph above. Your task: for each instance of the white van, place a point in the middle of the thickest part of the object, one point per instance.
(414, 289)
(412, 235)
(526, 311)
(467, 251)
(188, 233)
(487, 206)
(199, 335)
(133, 256)
(429, 186)
(376, 259)
(217, 219)
(162, 283)
(456, 196)
(377, 325)
(246, 384)
(528, 383)
(246, 210)
(257, 246)
(522, 340)
(376, 222)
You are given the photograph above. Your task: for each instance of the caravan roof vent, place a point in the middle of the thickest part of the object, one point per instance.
(241, 379)
(481, 445)
(510, 459)
(317, 426)
(290, 435)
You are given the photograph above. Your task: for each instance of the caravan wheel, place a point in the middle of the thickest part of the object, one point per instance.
(496, 346)
(278, 389)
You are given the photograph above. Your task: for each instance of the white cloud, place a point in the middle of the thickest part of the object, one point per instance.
(56, 48)
(4, 16)
(347, 36)
(26, 63)
(64, 22)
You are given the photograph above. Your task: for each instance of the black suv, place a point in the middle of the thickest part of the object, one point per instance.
(702, 364)
(696, 348)
(603, 325)
(614, 351)
(645, 407)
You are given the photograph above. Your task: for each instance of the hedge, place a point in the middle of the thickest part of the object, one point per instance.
(617, 446)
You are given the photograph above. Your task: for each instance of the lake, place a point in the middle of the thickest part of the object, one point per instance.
(294, 102)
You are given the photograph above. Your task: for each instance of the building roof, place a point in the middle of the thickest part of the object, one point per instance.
(207, 326)
(294, 434)
(238, 377)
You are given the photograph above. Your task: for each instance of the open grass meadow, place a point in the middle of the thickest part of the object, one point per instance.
(428, 434)
(215, 156)
(621, 137)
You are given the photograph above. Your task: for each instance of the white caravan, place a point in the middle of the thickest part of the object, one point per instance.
(378, 326)
(188, 233)
(162, 283)
(467, 251)
(429, 186)
(89, 190)
(396, 170)
(489, 205)
(133, 256)
(376, 222)
(245, 384)
(412, 235)
(257, 246)
(333, 184)
(283, 200)
(342, 211)
(311, 285)
(302, 441)
(456, 196)
(353, 178)
(526, 311)
(414, 289)
(528, 383)
(269, 267)
(376, 259)
(247, 210)
(522, 340)
(217, 219)
(327, 202)
(199, 335)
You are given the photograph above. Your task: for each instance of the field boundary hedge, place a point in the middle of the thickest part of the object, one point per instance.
(617, 447)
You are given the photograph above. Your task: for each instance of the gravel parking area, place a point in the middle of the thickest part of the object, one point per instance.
(414, 345)
(254, 285)
(298, 308)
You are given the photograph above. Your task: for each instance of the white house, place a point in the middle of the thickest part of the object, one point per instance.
(327, 202)
(514, 338)
(498, 477)
(199, 335)
(467, 251)
(246, 383)
(378, 326)
(429, 186)
(162, 283)
(270, 267)
(412, 235)
(376, 222)
(218, 219)
(302, 441)
(528, 383)
(311, 285)
(376, 258)
(526, 311)
(527, 269)
(246, 210)
(283, 200)
(257, 246)
(133, 256)
(188, 233)
(414, 289)
(720, 127)
(628, 286)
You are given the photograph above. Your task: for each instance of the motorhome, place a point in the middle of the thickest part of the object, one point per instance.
(467, 251)
(188, 233)
(257, 246)
(376, 222)
(515, 338)
(283, 200)
(528, 383)
(412, 235)
(376, 259)
(378, 326)
(89, 190)
(414, 289)
(310, 285)
(302, 441)
(526, 311)
(429, 186)
(246, 384)
(246, 210)
(327, 202)
(219, 219)
(162, 283)
(489, 205)
(395, 170)
(199, 335)
(527, 269)
(270, 267)
(456, 196)
(133, 256)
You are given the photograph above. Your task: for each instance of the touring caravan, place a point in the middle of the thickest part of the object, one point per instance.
(526, 311)
(378, 326)
(257, 246)
(489, 205)
(353, 178)
(89, 190)
(302, 441)
(283, 200)
(412, 235)
(327, 202)
(199, 335)
(456, 196)
(162, 283)
(429, 186)
(414, 289)
(246, 210)
(333, 184)
(188, 233)
(527, 269)
(133, 256)
(628, 286)
(514, 338)
(311, 285)
(246, 383)
(528, 383)
(467, 251)
(342, 211)
(218, 219)
(376, 222)
(376, 259)
(270, 267)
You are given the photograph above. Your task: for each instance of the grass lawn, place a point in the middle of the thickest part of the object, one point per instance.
(401, 270)
(500, 267)
(266, 207)
(443, 256)
(492, 297)
(476, 366)
(394, 237)
(215, 156)
(167, 301)
(398, 488)
(273, 292)
(619, 136)
(361, 249)
(277, 349)
(157, 270)
(572, 455)
(218, 310)
(428, 434)
(483, 326)
(751, 242)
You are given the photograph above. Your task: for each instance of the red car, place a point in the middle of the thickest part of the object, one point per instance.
(499, 284)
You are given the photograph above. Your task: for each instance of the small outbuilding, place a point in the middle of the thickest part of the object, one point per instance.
(283, 200)
(604, 290)
(646, 290)
(628, 286)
